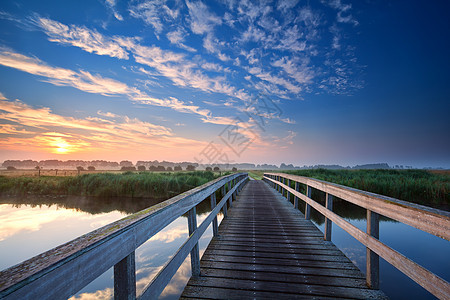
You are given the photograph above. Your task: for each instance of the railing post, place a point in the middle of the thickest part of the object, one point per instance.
(297, 188)
(288, 196)
(307, 206)
(214, 222)
(195, 255)
(125, 278)
(224, 208)
(372, 259)
(328, 223)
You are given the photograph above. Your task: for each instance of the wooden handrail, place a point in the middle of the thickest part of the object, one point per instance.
(431, 220)
(418, 216)
(61, 272)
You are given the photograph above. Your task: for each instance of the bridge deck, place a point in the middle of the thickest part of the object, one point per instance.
(266, 249)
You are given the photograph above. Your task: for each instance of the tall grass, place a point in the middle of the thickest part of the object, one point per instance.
(129, 184)
(417, 186)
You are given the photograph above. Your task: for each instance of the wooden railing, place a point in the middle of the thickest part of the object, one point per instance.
(63, 271)
(431, 220)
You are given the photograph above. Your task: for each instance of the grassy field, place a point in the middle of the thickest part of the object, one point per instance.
(419, 186)
(128, 184)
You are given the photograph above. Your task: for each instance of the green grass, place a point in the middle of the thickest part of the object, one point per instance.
(128, 184)
(417, 186)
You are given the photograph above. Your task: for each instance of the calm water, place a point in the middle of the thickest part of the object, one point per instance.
(32, 226)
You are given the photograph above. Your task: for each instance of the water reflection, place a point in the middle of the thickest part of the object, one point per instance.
(46, 222)
(33, 225)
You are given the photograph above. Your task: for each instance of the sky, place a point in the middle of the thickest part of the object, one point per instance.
(302, 82)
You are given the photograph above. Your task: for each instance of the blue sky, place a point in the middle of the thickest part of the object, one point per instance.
(302, 82)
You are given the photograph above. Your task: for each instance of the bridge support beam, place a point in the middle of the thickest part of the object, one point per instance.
(214, 222)
(288, 195)
(125, 278)
(195, 254)
(307, 206)
(297, 188)
(328, 223)
(372, 259)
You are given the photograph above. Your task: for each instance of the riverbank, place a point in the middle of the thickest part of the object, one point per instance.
(128, 184)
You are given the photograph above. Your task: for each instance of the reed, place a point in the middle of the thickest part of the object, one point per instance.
(128, 184)
(419, 186)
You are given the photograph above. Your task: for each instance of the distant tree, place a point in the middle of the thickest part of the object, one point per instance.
(152, 168)
(126, 163)
(190, 168)
(169, 169)
(10, 168)
(177, 168)
(79, 169)
(39, 170)
(234, 169)
(208, 169)
(141, 168)
(216, 169)
(91, 168)
(160, 168)
(128, 168)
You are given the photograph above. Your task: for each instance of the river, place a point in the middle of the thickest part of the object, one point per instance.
(34, 225)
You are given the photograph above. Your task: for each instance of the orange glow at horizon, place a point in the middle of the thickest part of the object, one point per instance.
(61, 145)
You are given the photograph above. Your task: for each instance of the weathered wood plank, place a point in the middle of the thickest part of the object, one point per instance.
(285, 277)
(266, 249)
(281, 262)
(199, 292)
(287, 288)
(277, 255)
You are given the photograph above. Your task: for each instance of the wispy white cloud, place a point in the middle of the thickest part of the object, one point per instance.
(107, 114)
(155, 13)
(286, 5)
(177, 38)
(81, 80)
(266, 76)
(89, 40)
(295, 68)
(111, 4)
(201, 19)
(343, 15)
(253, 34)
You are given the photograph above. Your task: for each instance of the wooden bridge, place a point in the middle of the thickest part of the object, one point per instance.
(267, 249)
(264, 247)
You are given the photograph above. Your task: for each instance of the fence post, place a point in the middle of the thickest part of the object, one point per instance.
(214, 222)
(125, 278)
(297, 188)
(328, 223)
(307, 206)
(372, 259)
(195, 255)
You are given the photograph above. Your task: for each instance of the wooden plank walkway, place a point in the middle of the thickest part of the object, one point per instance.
(266, 249)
